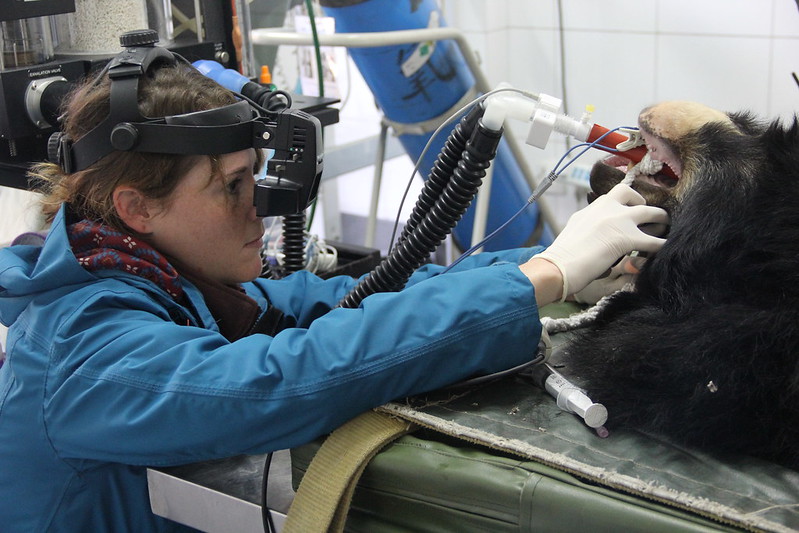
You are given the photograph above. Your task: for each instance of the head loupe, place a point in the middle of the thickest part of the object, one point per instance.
(293, 172)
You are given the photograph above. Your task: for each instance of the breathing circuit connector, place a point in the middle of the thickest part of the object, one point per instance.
(542, 112)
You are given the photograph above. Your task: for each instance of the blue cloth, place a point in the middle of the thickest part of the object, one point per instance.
(106, 375)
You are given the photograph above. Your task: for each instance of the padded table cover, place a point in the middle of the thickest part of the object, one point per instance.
(503, 457)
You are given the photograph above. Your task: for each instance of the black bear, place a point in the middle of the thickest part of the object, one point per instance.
(705, 349)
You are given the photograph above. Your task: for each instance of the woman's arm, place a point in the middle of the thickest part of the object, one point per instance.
(126, 384)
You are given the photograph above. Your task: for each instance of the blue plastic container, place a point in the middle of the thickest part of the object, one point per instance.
(418, 82)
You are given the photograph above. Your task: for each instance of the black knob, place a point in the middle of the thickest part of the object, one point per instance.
(124, 136)
(138, 38)
(54, 147)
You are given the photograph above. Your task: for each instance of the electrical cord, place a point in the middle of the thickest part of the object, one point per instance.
(321, 82)
(276, 100)
(266, 514)
(320, 256)
(317, 47)
(460, 172)
(541, 356)
(348, 93)
(451, 189)
(562, 42)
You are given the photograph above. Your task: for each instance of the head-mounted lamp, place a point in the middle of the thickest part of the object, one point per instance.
(293, 172)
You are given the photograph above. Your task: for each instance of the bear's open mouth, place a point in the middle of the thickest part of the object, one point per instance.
(658, 179)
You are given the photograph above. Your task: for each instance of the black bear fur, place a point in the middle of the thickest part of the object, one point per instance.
(705, 349)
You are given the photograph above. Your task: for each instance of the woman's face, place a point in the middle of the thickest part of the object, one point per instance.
(210, 224)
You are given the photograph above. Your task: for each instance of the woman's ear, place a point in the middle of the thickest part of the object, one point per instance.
(133, 209)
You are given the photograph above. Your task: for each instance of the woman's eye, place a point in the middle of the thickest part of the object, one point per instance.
(233, 185)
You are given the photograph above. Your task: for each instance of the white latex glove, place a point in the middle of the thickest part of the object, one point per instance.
(598, 235)
(621, 274)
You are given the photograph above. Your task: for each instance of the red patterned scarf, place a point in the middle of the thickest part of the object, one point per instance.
(98, 247)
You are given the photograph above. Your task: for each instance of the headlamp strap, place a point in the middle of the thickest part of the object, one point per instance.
(117, 131)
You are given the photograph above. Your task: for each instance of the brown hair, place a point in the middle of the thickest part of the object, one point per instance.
(165, 91)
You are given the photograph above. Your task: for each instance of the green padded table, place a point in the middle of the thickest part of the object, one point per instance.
(501, 456)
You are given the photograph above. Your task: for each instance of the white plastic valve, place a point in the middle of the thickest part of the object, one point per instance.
(543, 120)
(507, 104)
(542, 112)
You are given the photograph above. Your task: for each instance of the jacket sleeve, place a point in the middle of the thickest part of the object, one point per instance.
(516, 256)
(127, 385)
(304, 297)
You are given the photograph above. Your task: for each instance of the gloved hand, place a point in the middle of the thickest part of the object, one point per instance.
(620, 275)
(598, 235)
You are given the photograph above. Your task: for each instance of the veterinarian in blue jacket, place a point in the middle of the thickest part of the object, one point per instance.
(129, 341)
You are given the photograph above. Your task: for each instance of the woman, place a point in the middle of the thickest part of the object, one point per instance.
(130, 338)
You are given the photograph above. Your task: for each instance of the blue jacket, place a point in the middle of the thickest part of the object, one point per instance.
(106, 375)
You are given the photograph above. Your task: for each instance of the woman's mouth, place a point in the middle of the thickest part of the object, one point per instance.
(255, 243)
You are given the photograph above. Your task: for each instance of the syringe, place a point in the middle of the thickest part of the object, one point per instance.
(570, 397)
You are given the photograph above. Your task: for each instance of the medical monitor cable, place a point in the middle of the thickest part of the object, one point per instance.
(450, 205)
(440, 174)
(266, 513)
(453, 201)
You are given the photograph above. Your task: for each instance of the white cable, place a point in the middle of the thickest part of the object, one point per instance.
(581, 319)
(319, 256)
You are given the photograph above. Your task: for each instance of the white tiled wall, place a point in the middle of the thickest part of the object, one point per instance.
(621, 55)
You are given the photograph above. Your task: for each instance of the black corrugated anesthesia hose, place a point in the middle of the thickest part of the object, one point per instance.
(294, 242)
(442, 170)
(393, 272)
